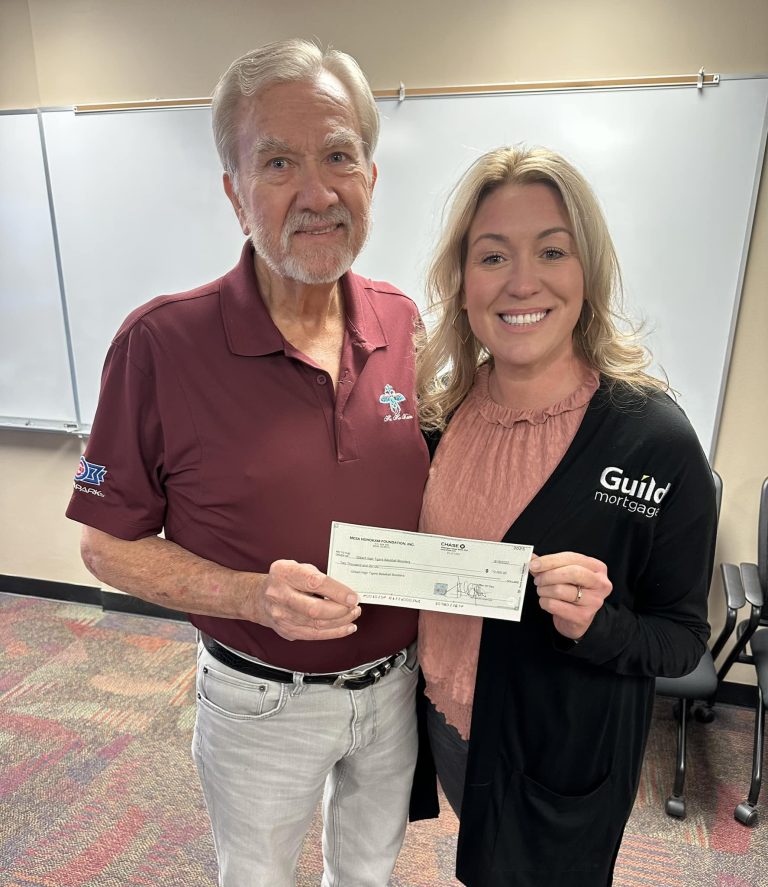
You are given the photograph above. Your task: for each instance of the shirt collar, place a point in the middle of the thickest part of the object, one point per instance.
(363, 321)
(250, 330)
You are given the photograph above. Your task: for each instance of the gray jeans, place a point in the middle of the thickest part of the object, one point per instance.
(449, 751)
(267, 753)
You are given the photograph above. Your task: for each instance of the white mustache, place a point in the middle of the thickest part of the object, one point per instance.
(337, 215)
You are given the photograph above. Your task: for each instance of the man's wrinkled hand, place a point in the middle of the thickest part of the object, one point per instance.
(300, 603)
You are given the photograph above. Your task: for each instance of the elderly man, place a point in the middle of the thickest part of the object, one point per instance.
(242, 418)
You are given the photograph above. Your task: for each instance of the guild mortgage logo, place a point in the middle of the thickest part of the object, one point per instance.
(91, 474)
(642, 495)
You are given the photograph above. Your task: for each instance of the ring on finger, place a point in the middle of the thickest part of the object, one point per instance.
(579, 594)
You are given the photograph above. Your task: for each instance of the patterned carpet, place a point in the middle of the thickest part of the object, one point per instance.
(97, 787)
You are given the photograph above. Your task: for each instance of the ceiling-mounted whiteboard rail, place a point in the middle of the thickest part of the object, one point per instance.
(699, 80)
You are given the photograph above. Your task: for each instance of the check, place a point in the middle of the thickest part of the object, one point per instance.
(430, 572)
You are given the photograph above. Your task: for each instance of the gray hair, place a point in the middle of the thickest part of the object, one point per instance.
(283, 62)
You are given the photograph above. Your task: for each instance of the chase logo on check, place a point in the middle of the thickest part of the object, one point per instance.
(393, 399)
(641, 495)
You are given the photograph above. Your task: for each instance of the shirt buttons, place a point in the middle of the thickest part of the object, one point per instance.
(321, 379)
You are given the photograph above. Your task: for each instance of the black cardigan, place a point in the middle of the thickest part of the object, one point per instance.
(559, 729)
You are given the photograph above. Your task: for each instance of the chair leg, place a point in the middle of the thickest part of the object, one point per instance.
(746, 812)
(675, 805)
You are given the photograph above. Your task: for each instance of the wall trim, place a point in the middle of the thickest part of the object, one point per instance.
(58, 591)
(113, 601)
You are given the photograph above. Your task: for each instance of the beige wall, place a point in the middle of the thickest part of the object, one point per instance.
(55, 52)
(99, 50)
(35, 540)
(18, 73)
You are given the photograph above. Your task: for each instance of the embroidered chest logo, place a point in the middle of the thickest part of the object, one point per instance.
(642, 495)
(89, 473)
(394, 399)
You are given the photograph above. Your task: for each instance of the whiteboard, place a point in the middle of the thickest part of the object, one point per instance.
(676, 173)
(140, 210)
(35, 381)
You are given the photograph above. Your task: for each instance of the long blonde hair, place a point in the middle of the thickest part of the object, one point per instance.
(448, 358)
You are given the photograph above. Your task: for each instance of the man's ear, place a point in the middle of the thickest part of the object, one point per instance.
(374, 176)
(229, 190)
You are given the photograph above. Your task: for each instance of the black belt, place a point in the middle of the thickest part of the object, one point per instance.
(347, 680)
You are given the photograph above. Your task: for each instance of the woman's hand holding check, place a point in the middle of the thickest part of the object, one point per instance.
(572, 588)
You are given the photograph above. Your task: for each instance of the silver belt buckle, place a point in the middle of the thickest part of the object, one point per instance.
(342, 679)
(401, 658)
(375, 672)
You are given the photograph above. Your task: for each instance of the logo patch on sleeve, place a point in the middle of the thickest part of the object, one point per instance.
(90, 473)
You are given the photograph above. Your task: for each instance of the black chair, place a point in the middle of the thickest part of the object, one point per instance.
(753, 579)
(702, 683)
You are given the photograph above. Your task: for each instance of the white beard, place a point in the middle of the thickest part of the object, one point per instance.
(322, 266)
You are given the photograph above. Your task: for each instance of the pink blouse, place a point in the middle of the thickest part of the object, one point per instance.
(492, 460)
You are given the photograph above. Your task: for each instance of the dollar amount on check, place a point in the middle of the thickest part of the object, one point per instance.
(430, 572)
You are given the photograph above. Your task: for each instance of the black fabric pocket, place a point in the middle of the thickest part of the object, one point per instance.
(565, 840)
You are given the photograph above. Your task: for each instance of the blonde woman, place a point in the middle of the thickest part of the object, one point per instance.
(549, 432)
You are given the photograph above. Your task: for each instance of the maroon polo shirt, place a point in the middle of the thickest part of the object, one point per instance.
(213, 428)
